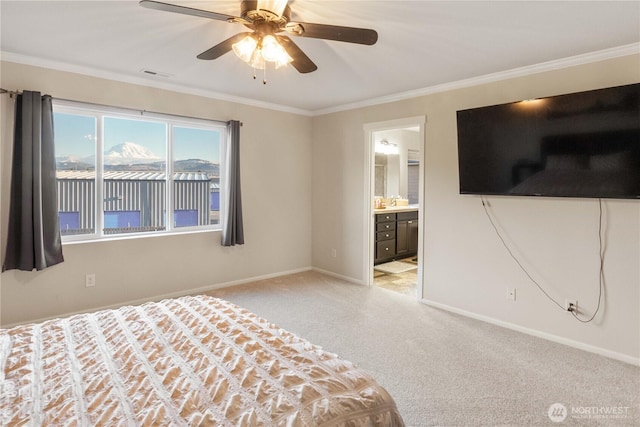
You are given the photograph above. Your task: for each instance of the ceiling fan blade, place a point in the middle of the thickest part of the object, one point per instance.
(333, 32)
(222, 47)
(166, 7)
(301, 61)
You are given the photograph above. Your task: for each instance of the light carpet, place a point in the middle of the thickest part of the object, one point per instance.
(443, 369)
(395, 267)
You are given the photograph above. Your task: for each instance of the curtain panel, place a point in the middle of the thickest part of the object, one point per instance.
(232, 227)
(33, 237)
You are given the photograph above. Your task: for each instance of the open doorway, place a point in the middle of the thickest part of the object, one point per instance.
(394, 204)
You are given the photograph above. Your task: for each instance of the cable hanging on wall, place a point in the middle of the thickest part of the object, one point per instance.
(600, 253)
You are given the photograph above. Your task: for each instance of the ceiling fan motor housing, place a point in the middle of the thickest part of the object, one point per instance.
(249, 11)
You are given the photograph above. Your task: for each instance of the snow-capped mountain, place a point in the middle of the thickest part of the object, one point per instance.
(129, 153)
(131, 156)
(68, 159)
(74, 163)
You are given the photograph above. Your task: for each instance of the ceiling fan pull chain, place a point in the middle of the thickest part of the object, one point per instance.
(264, 75)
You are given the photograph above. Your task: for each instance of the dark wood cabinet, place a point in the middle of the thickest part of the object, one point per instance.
(385, 237)
(396, 236)
(385, 250)
(406, 233)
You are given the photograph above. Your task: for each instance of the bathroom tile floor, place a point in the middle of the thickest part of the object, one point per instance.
(404, 283)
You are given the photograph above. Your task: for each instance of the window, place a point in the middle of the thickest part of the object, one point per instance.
(121, 172)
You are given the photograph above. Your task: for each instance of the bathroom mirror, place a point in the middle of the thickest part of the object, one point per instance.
(397, 165)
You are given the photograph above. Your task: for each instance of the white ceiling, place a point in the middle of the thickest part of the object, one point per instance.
(421, 44)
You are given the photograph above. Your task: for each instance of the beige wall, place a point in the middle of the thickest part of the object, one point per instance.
(294, 218)
(466, 267)
(276, 185)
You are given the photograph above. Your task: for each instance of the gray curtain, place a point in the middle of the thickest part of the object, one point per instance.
(33, 238)
(233, 231)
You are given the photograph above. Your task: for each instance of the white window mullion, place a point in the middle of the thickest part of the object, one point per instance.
(169, 180)
(99, 176)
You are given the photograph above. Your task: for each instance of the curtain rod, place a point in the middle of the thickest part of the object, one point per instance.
(12, 93)
(138, 110)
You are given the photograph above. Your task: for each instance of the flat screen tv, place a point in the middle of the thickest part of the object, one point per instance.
(584, 144)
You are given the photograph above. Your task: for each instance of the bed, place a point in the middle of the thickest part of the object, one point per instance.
(194, 360)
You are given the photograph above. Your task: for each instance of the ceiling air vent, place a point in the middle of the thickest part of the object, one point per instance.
(155, 73)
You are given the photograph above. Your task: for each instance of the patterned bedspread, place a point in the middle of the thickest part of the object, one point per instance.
(185, 361)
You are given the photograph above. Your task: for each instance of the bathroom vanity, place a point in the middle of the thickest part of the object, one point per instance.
(396, 233)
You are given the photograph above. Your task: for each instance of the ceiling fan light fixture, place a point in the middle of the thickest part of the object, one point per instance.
(245, 48)
(385, 147)
(270, 48)
(257, 60)
(283, 60)
(272, 51)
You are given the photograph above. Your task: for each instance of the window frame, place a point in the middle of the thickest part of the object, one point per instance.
(99, 113)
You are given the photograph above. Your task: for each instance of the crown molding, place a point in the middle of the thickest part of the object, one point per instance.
(141, 81)
(601, 55)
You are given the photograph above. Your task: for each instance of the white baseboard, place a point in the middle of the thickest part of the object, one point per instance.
(550, 337)
(339, 276)
(177, 294)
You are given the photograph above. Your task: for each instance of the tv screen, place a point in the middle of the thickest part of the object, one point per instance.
(584, 144)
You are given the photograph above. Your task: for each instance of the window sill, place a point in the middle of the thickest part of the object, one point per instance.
(136, 236)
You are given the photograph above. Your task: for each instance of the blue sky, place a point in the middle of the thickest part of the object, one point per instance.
(189, 143)
(75, 136)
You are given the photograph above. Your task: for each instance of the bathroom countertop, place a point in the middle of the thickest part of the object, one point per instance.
(392, 209)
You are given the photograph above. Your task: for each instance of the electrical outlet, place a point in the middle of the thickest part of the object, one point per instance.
(89, 280)
(511, 294)
(334, 253)
(571, 303)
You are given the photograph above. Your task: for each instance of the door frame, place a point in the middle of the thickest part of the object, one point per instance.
(369, 179)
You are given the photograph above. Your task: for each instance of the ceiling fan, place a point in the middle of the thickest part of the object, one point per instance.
(270, 22)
